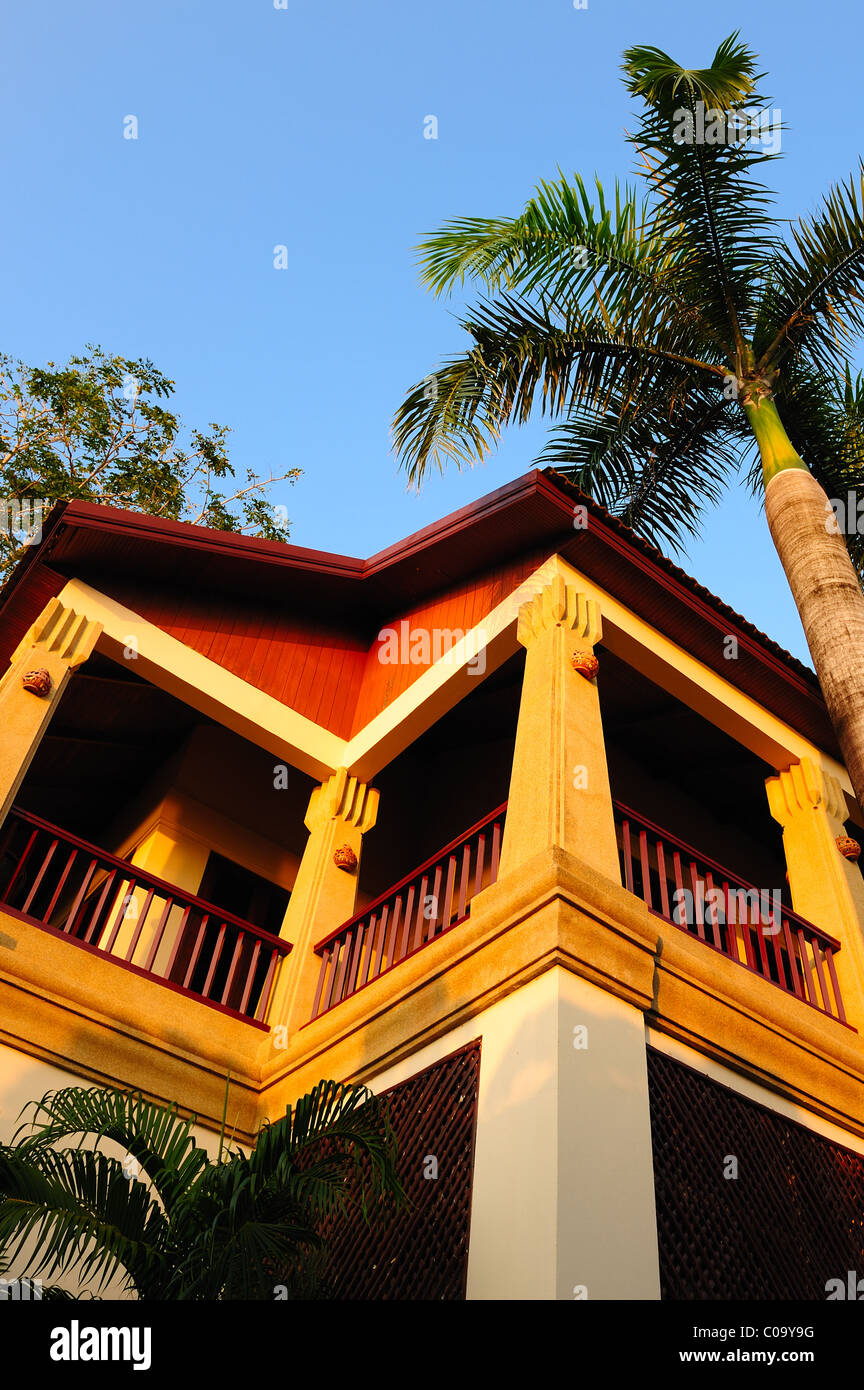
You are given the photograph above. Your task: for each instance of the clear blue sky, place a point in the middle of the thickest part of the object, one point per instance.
(303, 126)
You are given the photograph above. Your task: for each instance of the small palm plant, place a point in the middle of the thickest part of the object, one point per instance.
(172, 1223)
(676, 336)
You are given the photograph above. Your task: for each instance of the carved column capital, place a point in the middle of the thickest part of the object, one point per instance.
(343, 798)
(560, 604)
(69, 635)
(805, 787)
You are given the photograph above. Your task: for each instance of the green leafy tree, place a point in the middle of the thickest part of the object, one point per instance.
(98, 429)
(171, 1222)
(675, 336)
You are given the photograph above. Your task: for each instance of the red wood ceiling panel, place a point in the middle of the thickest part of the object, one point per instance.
(462, 608)
(296, 662)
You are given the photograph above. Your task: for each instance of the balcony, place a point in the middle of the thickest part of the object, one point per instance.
(419, 909)
(679, 884)
(101, 903)
(750, 926)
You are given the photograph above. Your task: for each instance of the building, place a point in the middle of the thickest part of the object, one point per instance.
(619, 1069)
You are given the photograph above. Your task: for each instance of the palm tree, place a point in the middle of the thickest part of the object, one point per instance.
(173, 1223)
(676, 336)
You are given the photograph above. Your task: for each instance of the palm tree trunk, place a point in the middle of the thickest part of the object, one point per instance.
(823, 581)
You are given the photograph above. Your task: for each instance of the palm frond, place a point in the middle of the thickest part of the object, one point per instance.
(155, 1135)
(335, 1131)
(658, 459)
(562, 246)
(814, 300)
(658, 79)
(85, 1214)
(711, 214)
(523, 359)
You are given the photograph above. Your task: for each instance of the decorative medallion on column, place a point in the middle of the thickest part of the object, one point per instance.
(586, 664)
(37, 682)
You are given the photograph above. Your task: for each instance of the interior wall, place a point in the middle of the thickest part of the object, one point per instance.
(755, 854)
(445, 782)
(224, 794)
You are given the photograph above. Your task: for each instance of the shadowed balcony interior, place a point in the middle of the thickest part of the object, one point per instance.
(665, 761)
(469, 749)
(200, 816)
(672, 766)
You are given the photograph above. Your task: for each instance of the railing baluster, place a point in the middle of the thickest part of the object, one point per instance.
(463, 883)
(406, 925)
(359, 938)
(374, 948)
(664, 886)
(343, 963)
(747, 934)
(793, 962)
(367, 945)
(732, 947)
(107, 887)
(250, 975)
(775, 944)
(698, 900)
(679, 891)
(330, 991)
(217, 952)
(322, 975)
(817, 958)
(760, 937)
(69, 924)
(481, 857)
(46, 915)
(178, 942)
(495, 853)
(436, 894)
(158, 933)
(196, 950)
(420, 919)
(448, 893)
(808, 969)
(829, 959)
(136, 935)
(645, 867)
(39, 877)
(7, 892)
(232, 969)
(628, 856)
(122, 911)
(384, 957)
(267, 987)
(712, 913)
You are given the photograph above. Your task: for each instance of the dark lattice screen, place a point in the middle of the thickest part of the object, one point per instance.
(423, 1252)
(790, 1221)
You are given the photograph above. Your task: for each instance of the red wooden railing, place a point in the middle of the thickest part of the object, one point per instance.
(750, 926)
(73, 888)
(420, 908)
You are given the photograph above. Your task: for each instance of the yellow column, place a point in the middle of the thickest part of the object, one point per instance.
(559, 786)
(826, 888)
(179, 860)
(58, 641)
(340, 812)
